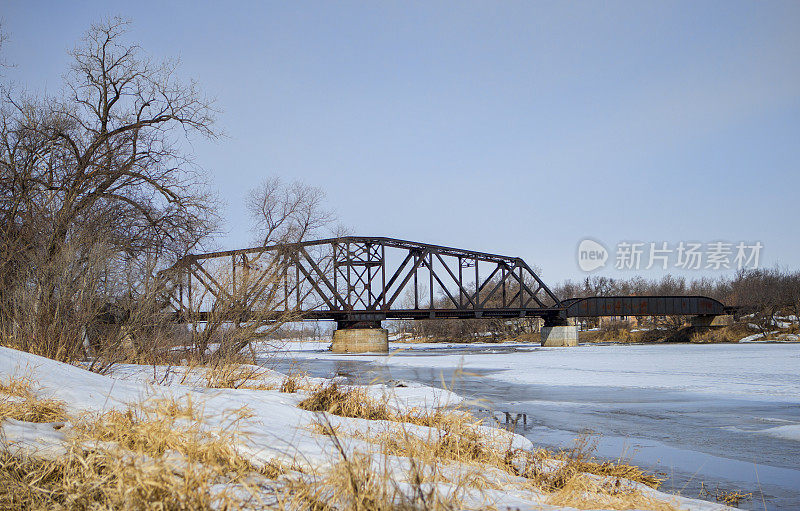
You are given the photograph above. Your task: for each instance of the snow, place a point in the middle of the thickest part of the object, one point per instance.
(788, 432)
(759, 371)
(756, 337)
(772, 336)
(277, 428)
(45, 439)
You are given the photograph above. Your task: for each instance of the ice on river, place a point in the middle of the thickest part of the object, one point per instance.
(764, 372)
(719, 413)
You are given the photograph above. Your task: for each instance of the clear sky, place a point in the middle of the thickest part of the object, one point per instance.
(511, 127)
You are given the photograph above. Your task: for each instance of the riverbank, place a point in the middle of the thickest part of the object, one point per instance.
(261, 439)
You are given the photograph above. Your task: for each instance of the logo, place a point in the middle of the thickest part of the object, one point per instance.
(591, 255)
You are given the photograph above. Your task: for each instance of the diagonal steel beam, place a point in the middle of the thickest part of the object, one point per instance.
(497, 286)
(474, 297)
(322, 276)
(531, 294)
(458, 282)
(444, 288)
(385, 290)
(312, 282)
(420, 257)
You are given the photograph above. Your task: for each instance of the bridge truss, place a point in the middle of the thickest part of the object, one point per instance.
(360, 281)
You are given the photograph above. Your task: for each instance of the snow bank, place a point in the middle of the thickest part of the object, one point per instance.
(772, 336)
(81, 390)
(277, 430)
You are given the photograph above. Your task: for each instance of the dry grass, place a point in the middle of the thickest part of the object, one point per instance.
(566, 478)
(727, 497)
(154, 455)
(622, 332)
(356, 402)
(233, 375)
(351, 402)
(291, 384)
(354, 484)
(357, 483)
(616, 331)
(580, 460)
(581, 491)
(18, 401)
(456, 438)
(296, 381)
(93, 479)
(236, 375)
(163, 426)
(725, 334)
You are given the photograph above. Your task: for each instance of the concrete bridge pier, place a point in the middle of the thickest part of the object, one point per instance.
(360, 337)
(709, 321)
(558, 332)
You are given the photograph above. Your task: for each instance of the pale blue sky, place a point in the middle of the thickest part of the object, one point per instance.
(509, 127)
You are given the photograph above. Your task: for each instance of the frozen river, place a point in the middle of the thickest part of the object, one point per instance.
(725, 415)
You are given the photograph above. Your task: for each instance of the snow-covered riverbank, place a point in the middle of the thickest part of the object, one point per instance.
(274, 427)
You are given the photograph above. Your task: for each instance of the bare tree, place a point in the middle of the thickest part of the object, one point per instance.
(288, 213)
(98, 166)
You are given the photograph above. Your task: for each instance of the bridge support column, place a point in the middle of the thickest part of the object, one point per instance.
(360, 337)
(558, 332)
(712, 321)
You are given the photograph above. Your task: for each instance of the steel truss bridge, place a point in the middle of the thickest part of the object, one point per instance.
(360, 281)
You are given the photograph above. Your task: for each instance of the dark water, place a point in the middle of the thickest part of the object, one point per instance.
(690, 439)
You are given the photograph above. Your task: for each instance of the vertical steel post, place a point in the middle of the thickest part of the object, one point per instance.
(477, 285)
(383, 275)
(349, 264)
(369, 275)
(189, 290)
(285, 267)
(335, 273)
(233, 274)
(416, 293)
(503, 276)
(430, 274)
(460, 282)
(297, 279)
